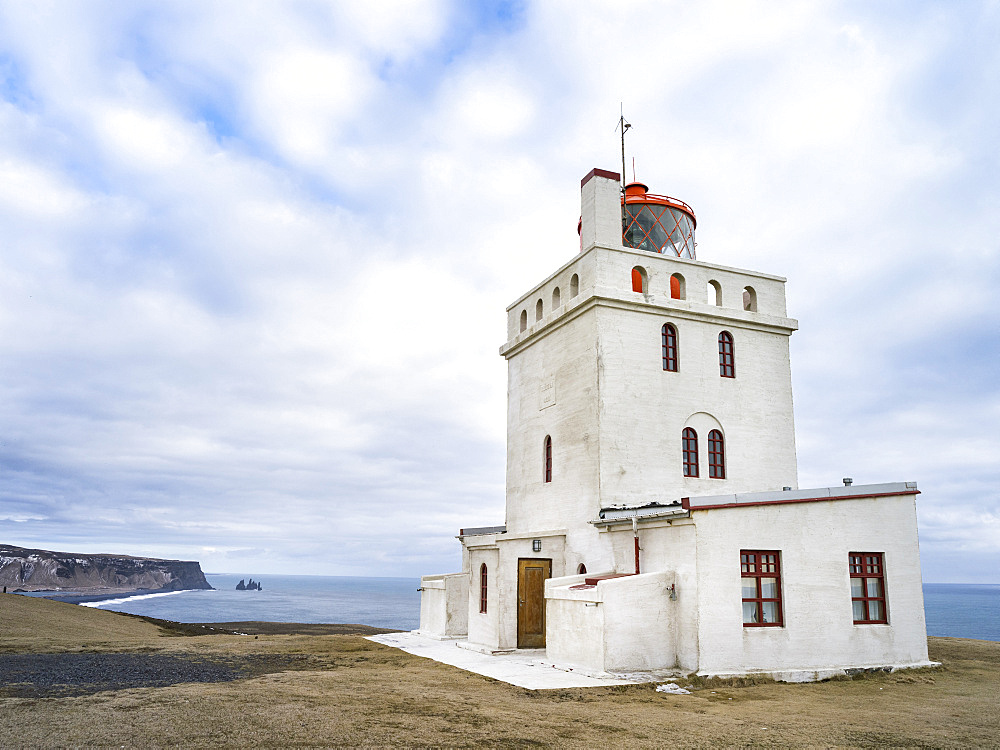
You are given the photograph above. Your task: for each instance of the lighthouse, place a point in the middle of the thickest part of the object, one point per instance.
(653, 515)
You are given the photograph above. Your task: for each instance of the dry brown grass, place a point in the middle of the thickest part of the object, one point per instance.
(346, 691)
(30, 624)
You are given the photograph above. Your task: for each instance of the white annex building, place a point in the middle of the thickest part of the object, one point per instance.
(654, 520)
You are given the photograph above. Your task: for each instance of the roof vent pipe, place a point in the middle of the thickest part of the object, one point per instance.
(848, 481)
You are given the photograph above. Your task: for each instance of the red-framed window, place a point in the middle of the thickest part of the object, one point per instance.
(668, 334)
(760, 573)
(548, 458)
(868, 587)
(689, 452)
(483, 590)
(727, 359)
(716, 455)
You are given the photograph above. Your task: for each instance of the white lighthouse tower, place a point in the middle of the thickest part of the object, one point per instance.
(653, 516)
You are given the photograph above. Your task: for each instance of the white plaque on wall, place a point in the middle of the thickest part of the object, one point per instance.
(548, 393)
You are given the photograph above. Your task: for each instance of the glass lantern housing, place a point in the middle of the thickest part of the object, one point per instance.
(657, 223)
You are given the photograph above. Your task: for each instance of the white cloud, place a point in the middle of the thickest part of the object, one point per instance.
(255, 257)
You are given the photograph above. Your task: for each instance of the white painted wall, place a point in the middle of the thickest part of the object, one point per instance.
(814, 539)
(484, 627)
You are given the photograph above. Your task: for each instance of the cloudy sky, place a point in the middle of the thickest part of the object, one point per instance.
(254, 256)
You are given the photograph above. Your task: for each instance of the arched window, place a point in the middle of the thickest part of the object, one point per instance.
(524, 320)
(581, 569)
(574, 286)
(677, 290)
(548, 458)
(556, 298)
(727, 358)
(749, 299)
(714, 293)
(482, 588)
(689, 449)
(539, 309)
(668, 334)
(716, 455)
(638, 279)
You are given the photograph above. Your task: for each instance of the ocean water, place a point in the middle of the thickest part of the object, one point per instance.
(951, 609)
(963, 610)
(380, 602)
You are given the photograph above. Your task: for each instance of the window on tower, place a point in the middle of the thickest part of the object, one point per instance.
(716, 455)
(539, 310)
(668, 335)
(689, 452)
(482, 588)
(574, 285)
(714, 293)
(639, 279)
(524, 320)
(548, 458)
(677, 290)
(727, 358)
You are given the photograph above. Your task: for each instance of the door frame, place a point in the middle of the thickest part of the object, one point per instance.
(530, 640)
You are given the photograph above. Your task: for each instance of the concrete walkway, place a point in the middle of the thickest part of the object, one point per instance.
(521, 668)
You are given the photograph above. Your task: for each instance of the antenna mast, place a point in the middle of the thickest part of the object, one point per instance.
(623, 125)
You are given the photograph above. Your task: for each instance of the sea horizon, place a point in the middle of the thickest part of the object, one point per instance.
(955, 610)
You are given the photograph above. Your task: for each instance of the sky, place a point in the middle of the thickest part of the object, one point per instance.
(255, 256)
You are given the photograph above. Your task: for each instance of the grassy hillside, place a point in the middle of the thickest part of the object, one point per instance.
(30, 623)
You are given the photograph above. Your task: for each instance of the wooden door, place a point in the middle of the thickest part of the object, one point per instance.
(531, 575)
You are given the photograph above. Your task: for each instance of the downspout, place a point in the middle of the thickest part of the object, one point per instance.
(635, 533)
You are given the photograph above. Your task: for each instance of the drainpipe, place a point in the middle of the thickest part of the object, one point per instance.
(635, 533)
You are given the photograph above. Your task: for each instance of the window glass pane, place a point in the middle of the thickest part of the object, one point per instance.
(875, 610)
(875, 587)
(859, 610)
(857, 587)
(770, 611)
(769, 588)
(750, 612)
(658, 237)
(749, 588)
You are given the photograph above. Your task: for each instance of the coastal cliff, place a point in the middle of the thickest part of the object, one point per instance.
(41, 570)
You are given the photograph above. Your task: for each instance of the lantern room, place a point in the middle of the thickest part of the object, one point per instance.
(657, 223)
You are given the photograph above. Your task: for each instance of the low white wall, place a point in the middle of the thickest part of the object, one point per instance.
(574, 625)
(622, 625)
(444, 607)
(640, 623)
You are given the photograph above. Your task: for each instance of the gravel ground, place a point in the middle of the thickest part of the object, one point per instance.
(58, 675)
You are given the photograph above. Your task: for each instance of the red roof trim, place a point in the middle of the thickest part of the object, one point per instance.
(796, 500)
(595, 172)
